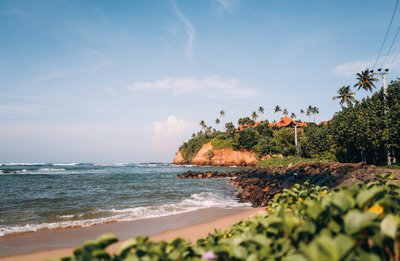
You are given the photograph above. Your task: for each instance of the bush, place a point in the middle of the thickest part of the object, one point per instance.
(306, 222)
(218, 143)
(286, 161)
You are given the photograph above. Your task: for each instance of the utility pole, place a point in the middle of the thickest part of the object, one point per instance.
(389, 148)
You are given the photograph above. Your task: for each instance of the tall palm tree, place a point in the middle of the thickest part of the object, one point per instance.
(309, 111)
(203, 124)
(277, 109)
(293, 115)
(254, 115)
(285, 112)
(261, 110)
(314, 111)
(217, 121)
(346, 95)
(366, 80)
(222, 113)
(302, 111)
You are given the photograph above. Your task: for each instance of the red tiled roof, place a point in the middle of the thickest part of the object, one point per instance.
(286, 121)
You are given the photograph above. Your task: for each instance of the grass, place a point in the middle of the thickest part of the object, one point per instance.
(287, 161)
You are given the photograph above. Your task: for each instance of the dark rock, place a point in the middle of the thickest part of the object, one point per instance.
(258, 186)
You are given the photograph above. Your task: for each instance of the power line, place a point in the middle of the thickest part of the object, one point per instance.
(386, 35)
(394, 39)
(394, 58)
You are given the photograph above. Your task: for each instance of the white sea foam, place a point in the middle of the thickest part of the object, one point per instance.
(51, 169)
(65, 164)
(194, 202)
(23, 164)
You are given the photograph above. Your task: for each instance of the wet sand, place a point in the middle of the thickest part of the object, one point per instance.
(47, 244)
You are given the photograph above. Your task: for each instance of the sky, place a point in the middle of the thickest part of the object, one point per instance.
(129, 81)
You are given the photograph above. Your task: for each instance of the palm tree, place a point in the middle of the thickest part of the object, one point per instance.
(277, 109)
(203, 124)
(314, 111)
(293, 115)
(345, 96)
(285, 112)
(217, 121)
(261, 110)
(222, 113)
(309, 111)
(365, 80)
(254, 115)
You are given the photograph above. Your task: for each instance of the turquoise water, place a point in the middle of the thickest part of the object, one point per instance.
(42, 196)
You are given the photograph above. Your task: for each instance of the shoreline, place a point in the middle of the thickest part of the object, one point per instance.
(47, 244)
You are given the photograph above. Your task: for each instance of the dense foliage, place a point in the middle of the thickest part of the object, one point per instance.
(362, 132)
(303, 223)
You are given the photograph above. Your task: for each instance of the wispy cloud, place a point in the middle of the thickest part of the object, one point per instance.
(227, 5)
(228, 87)
(353, 67)
(168, 133)
(190, 31)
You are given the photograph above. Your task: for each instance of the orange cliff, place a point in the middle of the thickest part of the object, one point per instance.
(207, 155)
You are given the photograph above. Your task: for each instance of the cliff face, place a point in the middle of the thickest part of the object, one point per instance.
(220, 157)
(178, 159)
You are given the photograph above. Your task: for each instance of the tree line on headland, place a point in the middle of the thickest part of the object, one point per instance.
(363, 130)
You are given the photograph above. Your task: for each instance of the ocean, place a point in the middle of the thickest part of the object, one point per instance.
(43, 196)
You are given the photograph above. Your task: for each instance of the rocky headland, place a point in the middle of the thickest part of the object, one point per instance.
(259, 185)
(207, 155)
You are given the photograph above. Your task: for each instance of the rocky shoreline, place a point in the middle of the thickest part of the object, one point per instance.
(259, 185)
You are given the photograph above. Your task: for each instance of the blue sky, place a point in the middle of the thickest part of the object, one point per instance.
(128, 81)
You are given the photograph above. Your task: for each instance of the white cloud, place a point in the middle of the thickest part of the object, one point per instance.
(170, 132)
(351, 68)
(227, 5)
(230, 87)
(354, 67)
(190, 31)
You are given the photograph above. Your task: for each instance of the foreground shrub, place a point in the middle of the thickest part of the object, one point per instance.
(305, 222)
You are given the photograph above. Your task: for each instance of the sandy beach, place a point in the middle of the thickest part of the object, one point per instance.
(49, 244)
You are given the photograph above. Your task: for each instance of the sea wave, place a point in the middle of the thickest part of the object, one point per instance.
(194, 202)
(51, 169)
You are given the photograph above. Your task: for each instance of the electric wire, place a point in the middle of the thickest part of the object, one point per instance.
(386, 35)
(394, 39)
(394, 58)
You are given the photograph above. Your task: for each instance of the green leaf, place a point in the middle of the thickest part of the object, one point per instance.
(314, 209)
(365, 196)
(101, 254)
(296, 257)
(89, 246)
(106, 240)
(343, 200)
(126, 246)
(344, 244)
(355, 221)
(389, 225)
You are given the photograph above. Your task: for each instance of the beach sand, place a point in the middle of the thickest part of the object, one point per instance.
(52, 244)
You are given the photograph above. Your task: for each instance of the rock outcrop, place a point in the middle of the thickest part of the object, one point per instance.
(207, 155)
(178, 159)
(258, 186)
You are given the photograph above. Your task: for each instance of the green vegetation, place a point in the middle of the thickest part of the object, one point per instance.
(362, 132)
(190, 148)
(286, 161)
(303, 223)
(221, 143)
